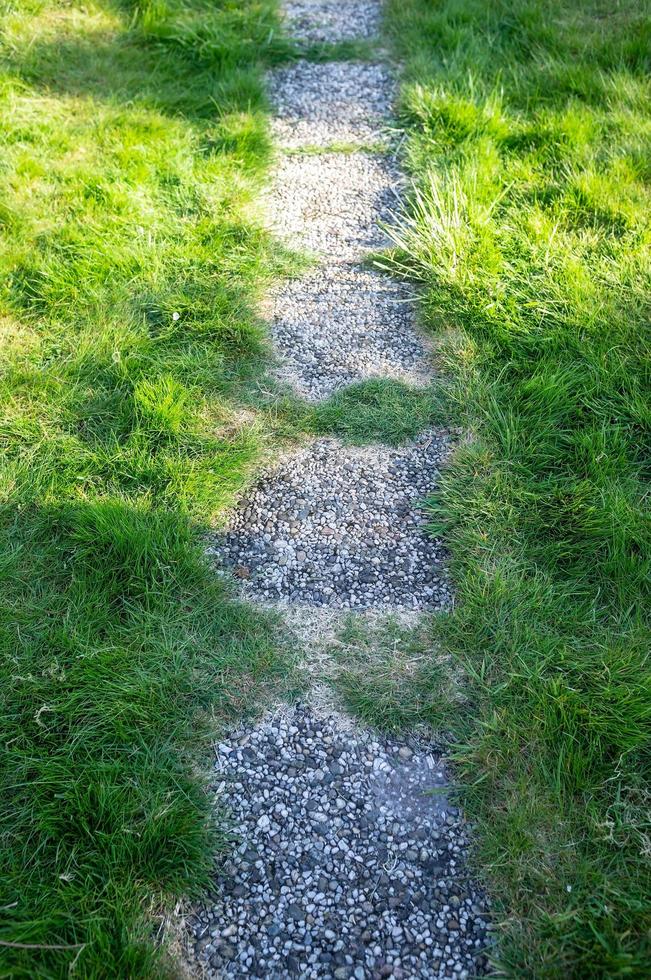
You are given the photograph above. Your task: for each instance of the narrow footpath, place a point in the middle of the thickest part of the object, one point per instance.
(348, 859)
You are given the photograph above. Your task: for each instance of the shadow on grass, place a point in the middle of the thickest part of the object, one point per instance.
(187, 58)
(124, 647)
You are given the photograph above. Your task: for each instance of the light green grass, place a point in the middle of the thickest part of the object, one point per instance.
(133, 144)
(529, 142)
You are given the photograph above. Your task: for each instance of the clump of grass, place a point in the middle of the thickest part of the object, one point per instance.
(384, 670)
(315, 150)
(375, 410)
(133, 144)
(348, 50)
(529, 225)
(378, 410)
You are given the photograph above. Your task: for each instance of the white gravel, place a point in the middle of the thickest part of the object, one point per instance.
(330, 204)
(333, 20)
(345, 865)
(336, 102)
(341, 526)
(344, 324)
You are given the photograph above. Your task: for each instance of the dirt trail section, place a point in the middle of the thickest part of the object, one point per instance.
(348, 860)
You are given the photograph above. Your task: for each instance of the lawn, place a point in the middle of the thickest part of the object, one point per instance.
(529, 142)
(136, 405)
(133, 145)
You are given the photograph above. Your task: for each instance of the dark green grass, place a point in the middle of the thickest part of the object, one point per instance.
(529, 141)
(377, 410)
(133, 143)
(118, 648)
(323, 51)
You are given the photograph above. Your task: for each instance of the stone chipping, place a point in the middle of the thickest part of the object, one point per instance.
(342, 526)
(332, 204)
(348, 859)
(340, 325)
(331, 21)
(339, 102)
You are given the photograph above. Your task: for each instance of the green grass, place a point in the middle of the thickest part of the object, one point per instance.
(324, 51)
(384, 671)
(376, 410)
(134, 141)
(133, 145)
(529, 140)
(347, 149)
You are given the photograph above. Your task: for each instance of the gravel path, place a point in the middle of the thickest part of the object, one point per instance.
(346, 864)
(335, 102)
(341, 526)
(343, 324)
(347, 860)
(329, 21)
(339, 324)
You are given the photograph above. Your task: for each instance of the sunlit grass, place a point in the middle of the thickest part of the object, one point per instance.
(133, 145)
(529, 143)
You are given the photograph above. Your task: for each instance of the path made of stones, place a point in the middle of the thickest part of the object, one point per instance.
(341, 323)
(347, 860)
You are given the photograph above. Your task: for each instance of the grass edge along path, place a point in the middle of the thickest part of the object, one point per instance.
(529, 136)
(134, 142)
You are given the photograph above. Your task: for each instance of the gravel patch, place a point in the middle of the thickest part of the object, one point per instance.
(344, 863)
(331, 203)
(316, 21)
(343, 324)
(341, 526)
(336, 102)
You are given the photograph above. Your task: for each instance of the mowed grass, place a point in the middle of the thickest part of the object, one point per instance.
(133, 144)
(529, 140)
